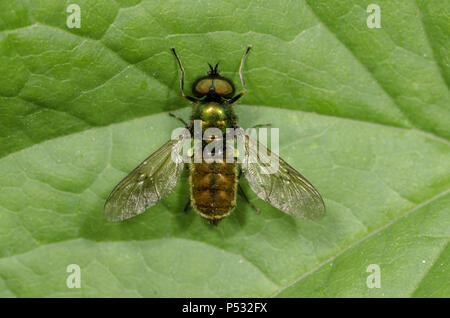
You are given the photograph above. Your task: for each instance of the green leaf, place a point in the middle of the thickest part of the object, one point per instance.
(363, 114)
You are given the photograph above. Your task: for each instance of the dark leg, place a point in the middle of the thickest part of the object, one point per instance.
(192, 99)
(262, 125)
(179, 118)
(214, 221)
(187, 206)
(241, 75)
(241, 191)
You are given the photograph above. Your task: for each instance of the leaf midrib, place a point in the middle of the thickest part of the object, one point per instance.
(351, 120)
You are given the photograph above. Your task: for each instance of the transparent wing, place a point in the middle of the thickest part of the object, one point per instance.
(151, 181)
(284, 187)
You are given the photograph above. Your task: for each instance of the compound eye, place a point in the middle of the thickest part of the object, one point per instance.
(223, 87)
(202, 87)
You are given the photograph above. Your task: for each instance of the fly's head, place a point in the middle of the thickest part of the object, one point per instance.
(213, 85)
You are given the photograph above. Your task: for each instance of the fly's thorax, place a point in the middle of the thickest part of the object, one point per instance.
(213, 114)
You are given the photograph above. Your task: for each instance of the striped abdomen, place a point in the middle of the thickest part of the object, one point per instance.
(213, 189)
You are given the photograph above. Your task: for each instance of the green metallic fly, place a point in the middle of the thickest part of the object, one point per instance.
(214, 185)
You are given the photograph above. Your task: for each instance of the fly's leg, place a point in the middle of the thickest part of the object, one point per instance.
(241, 192)
(262, 125)
(187, 206)
(214, 221)
(189, 98)
(179, 118)
(241, 75)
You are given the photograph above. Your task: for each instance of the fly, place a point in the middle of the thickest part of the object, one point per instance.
(214, 185)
